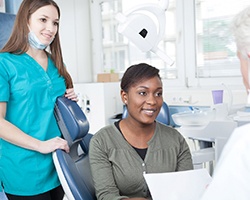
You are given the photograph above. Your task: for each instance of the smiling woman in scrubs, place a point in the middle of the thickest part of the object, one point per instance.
(31, 78)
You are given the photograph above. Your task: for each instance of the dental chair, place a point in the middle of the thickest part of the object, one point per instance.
(73, 168)
(163, 116)
(6, 24)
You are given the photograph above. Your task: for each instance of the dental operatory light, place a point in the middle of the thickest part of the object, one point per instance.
(144, 25)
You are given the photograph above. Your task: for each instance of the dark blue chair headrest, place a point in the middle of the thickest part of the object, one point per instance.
(163, 116)
(6, 24)
(71, 119)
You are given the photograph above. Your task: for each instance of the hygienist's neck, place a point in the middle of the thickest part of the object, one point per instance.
(36, 53)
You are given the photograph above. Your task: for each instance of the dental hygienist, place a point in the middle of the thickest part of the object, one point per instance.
(31, 78)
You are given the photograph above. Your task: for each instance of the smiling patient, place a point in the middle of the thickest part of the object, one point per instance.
(122, 152)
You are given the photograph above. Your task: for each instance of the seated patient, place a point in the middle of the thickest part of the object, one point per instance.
(122, 152)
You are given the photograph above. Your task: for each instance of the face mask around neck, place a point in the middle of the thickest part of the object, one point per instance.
(35, 42)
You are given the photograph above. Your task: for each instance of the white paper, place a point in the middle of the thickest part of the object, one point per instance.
(183, 185)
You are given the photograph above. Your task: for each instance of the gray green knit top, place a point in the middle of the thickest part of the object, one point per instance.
(118, 169)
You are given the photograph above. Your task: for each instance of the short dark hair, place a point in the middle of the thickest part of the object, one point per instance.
(138, 73)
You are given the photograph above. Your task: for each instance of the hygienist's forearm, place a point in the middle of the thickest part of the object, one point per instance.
(12, 134)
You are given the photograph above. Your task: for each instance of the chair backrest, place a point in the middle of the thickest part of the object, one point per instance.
(74, 169)
(163, 116)
(6, 24)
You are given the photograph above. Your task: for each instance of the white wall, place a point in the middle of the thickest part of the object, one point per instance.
(76, 38)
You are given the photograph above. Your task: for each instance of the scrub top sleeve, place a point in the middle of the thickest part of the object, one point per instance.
(4, 84)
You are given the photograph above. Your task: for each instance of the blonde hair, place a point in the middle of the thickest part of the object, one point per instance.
(18, 41)
(240, 27)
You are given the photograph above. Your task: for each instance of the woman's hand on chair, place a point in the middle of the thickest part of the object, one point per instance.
(53, 144)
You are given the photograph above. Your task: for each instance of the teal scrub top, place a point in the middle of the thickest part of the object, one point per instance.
(30, 93)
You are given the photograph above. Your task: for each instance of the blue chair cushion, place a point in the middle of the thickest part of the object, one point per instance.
(78, 175)
(74, 167)
(71, 119)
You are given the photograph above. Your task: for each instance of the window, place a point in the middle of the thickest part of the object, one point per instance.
(197, 37)
(215, 50)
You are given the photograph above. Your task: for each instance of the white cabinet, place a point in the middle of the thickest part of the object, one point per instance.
(104, 102)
